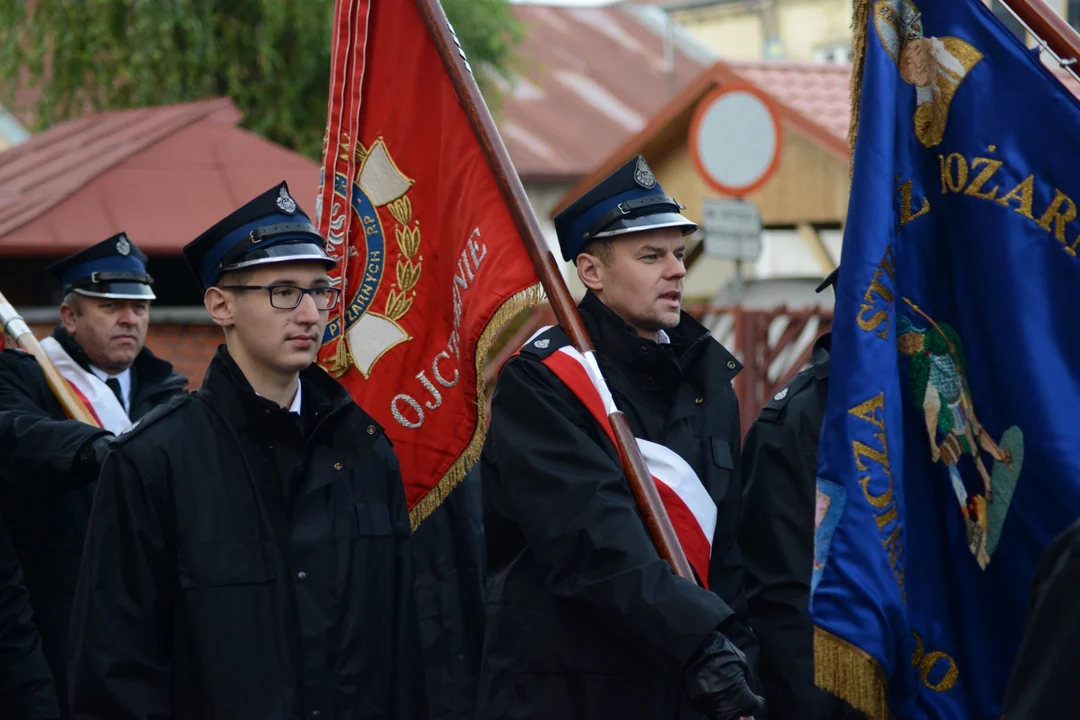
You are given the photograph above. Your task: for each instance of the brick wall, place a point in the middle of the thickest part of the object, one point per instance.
(188, 347)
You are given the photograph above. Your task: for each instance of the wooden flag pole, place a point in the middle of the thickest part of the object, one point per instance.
(1050, 28)
(17, 329)
(637, 472)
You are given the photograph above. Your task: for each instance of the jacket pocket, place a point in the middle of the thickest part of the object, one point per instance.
(721, 452)
(225, 563)
(723, 465)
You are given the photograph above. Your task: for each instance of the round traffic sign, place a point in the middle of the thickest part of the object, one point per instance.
(735, 139)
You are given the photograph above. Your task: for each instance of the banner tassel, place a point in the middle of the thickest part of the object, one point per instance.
(860, 27)
(851, 674)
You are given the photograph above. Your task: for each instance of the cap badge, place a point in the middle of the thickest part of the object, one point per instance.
(286, 203)
(643, 175)
(123, 246)
(781, 395)
(542, 344)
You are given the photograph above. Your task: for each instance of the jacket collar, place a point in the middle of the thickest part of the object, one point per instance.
(617, 341)
(227, 388)
(151, 372)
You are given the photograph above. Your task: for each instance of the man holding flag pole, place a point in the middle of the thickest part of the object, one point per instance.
(411, 335)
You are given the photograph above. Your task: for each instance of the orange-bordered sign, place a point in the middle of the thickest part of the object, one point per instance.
(736, 139)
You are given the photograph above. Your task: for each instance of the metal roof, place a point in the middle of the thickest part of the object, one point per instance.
(589, 78)
(162, 174)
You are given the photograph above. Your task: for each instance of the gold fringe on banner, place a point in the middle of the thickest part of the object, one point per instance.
(860, 24)
(851, 674)
(523, 300)
(840, 668)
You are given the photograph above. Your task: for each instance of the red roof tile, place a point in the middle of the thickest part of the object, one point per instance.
(162, 174)
(594, 77)
(819, 91)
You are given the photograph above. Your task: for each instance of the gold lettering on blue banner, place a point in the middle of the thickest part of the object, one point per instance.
(977, 177)
(906, 192)
(937, 670)
(876, 481)
(1022, 193)
(878, 301)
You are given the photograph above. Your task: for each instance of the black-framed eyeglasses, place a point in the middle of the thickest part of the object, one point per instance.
(288, 297)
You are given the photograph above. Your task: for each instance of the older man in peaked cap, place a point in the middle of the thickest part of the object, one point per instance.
(49, 463)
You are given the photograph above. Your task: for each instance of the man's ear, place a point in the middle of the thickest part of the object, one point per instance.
(67, 317)
(589, 270)
(219, 305)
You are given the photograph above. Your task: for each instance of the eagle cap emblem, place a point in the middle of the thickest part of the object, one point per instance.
(542, 344)
(286, 203)
(643, 176)
(123, 246)
(781, 395)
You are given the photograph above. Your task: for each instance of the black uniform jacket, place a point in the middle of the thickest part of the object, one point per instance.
(244, 562)
(777, 538)
(26, 685)
(448, 548)
(584, 618)
(44, 499)
(1046, 669)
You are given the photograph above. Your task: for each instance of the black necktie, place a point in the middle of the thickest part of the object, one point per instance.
(114, 385)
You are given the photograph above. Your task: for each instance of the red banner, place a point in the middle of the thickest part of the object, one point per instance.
(430, 262)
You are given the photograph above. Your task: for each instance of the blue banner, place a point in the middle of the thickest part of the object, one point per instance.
(952, 431)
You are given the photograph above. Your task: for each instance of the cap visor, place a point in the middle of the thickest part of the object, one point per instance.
(654, 221)
(285, 252)
(118, 291)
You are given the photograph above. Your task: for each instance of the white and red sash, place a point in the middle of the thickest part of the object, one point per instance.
(688, 504)
(92, 390)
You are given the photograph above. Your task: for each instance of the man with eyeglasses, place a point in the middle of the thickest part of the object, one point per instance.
(248, 554)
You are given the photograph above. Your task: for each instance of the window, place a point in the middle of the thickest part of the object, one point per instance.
(1009, 20)
(1072, 12)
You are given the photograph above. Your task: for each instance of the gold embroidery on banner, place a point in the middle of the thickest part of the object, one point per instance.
(1024, 193)
(523, 300)
(876, 481)
(953, 181)
(992, 166)
(934, 66)
(906, 204)
(939, 388)
(926, 662)
(1056, 217)
(878, 321)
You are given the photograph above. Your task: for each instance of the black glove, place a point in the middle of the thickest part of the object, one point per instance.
(715, 681)
(90, 458)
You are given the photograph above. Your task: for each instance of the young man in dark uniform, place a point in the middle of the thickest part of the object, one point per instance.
(585, 620)
(248, 554)
(49, 463)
